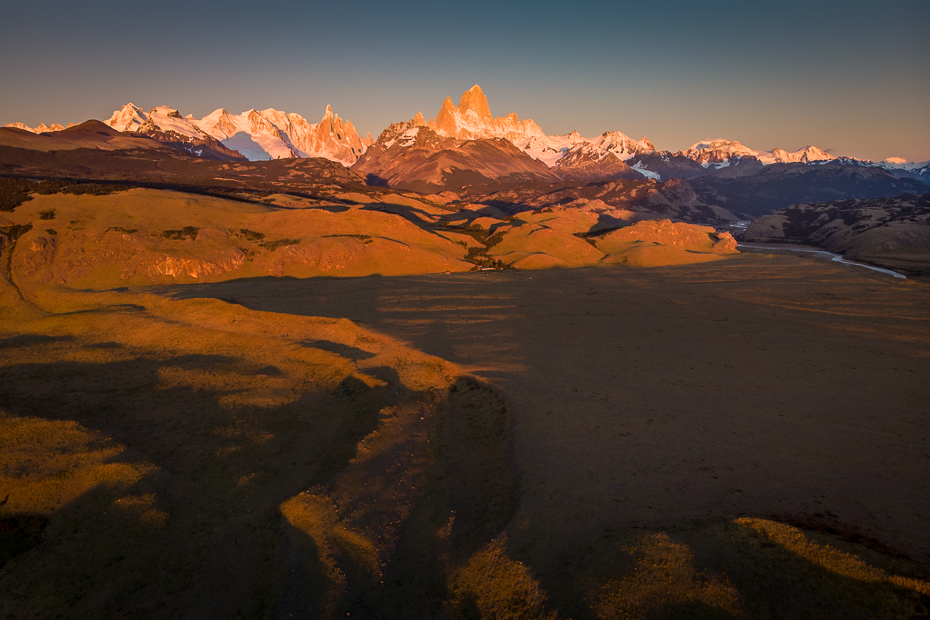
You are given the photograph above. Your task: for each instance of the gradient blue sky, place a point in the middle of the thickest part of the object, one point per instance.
(851, 77)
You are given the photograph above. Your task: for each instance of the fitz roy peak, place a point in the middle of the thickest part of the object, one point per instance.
(269, 134)
(572, 156)
(471, 119)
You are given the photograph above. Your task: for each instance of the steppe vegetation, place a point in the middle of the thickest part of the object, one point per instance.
(193, 425)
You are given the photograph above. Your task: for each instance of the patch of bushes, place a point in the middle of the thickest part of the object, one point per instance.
(251, 235)
(70, 187)
(799, 222)
(16, 231)
(128, 231)
(472, 230)
(188, 232)
(479, 257)
(48, 214)
(280, 243)
(14, 192)
(494, 239)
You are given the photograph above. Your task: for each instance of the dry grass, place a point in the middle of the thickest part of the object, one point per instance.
(46, 464)
(676, 400)
(145, 236)
(827, 556)
(491, 585)
(304, 447)
(171, 443)
(664, 576)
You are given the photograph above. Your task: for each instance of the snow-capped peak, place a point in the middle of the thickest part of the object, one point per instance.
(717, 153)
(471, 119)
(42, 128)
(128, 118)
(899, 163)
(807, 154)
(268, 134)
(622, 145)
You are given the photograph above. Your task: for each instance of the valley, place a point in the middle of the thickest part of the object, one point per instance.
(260, 367)
(573, 442)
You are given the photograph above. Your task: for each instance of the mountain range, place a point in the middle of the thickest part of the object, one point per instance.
(253, 135)
(272, 134)
(466, 153)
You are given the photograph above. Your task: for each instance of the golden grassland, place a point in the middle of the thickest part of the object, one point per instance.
(674, 401)
(591, 443)
(146, 236)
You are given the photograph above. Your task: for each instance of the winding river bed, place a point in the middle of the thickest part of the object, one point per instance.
(836, 258)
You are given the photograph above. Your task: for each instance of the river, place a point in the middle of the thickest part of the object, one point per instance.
(836, 258)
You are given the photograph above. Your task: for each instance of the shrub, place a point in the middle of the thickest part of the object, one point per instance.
(16, 231)
(70, 187)
(188, 232)
(495, 239)
(251, 235)
(14, 192)
(274, 245)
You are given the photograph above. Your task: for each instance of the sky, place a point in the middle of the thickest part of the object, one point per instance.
(850, 77)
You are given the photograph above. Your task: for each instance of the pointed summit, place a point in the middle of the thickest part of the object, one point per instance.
(128, 118)
(472, 120)
(445, 120)
(473, 100)
(255, 135)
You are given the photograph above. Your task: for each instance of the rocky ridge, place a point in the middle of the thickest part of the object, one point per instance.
(413, 156)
